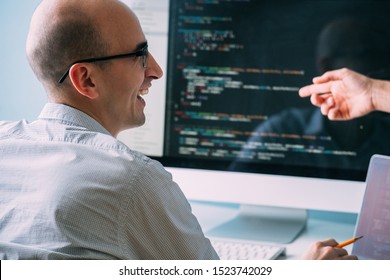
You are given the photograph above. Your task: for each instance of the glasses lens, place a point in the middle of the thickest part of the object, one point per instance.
(145, 60)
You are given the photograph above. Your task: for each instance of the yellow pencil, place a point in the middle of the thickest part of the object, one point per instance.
(350, 241)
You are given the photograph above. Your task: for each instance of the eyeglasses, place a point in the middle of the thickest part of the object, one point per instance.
(143, 52)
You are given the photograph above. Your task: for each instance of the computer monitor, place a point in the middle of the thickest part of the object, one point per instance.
(227, 120)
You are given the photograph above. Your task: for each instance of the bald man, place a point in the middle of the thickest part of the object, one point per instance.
(68, 188)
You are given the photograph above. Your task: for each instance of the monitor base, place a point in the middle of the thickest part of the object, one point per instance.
(263, 223)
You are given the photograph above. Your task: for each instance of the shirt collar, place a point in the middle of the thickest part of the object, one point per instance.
(72, 116)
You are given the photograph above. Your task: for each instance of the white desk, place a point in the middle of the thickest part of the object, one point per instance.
(210, 215)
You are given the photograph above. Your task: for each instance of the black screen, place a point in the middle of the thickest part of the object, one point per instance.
(234, 71)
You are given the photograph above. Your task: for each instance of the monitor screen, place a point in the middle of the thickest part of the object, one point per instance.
(227, 117)
(234, 71)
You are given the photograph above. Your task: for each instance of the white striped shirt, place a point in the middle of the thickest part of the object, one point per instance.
(70, 190)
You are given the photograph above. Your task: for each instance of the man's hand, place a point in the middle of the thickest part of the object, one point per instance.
(326, 250)
(341, 94)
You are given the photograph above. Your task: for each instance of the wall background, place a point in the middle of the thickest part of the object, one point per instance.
(21, 94)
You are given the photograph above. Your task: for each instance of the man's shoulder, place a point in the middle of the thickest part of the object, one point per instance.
(9, 127)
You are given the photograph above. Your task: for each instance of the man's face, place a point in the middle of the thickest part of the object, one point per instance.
(125, 80)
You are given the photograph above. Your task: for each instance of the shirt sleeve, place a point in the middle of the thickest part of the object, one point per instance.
(158, 221)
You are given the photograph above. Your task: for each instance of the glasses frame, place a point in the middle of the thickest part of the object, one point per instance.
(143, 52)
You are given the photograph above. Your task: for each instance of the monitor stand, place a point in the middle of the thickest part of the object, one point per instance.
(263, 223)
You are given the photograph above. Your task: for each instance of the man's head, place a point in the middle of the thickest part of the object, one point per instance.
(63, 32)
(360, 44)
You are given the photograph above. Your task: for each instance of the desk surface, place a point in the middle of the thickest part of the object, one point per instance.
(210, 215)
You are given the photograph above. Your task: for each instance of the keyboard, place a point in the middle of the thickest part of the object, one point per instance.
(238, 249)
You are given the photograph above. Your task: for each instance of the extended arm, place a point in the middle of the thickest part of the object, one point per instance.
(344, 94)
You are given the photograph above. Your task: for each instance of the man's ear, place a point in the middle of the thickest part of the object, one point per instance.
(80, 76)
